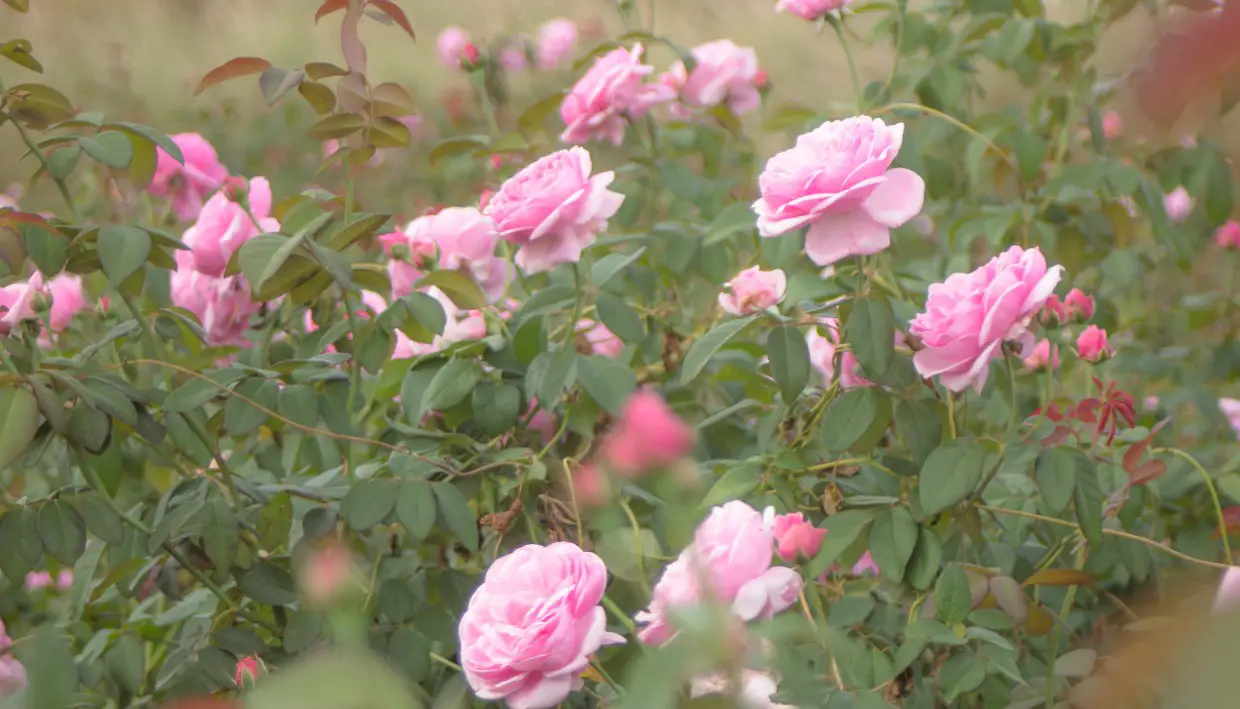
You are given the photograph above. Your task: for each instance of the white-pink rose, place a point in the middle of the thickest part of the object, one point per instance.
(732, 552)
(970, 315)
(1178, 204)
(753, 290)
(725, 73)
(553, 209)
(463, 240)
(839, 182)
(556, 41)
(612, 92)
(531, 627)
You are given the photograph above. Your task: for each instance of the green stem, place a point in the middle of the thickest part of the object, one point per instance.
(619, 614)
(1011, 370)
(60, 183)
(445, 662)
(1214, 499)
(838, 26)
(637, 545)
(951, 415)
(572, 323)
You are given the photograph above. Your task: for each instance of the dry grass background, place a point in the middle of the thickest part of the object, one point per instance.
(139, 59)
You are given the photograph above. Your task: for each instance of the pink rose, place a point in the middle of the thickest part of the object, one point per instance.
(513, 59)
(1054, 312)
(542, 422)
(839, 182)
(553, 209)
(1228, 591)
(822, 355)
(725, 73)
(464, 240)
(67, 300)
(1228, 235)
(810, 9)
(190, 184)
(590, 486)
(64, 579)
(1092, 345)
(1112, 125)
(731, 551)
(36, 580)
(608, 96)
(755, 691)
(970, 315)
(1178, 204)
(865, 565)
(647, 435)
(409, 254)
(602, 341)
(753, 290)
(224, 225)
(532, 625)
(1041, 357)
(17, 302)
(796, 537)
(222, 305)
(1231, 409)
(12, 672)
(556, 41)
(1151, 403)
(452, 45)
(1080, 306)
(459, 326)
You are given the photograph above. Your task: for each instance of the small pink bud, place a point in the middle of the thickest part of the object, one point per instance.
(1080, 306)
(795, 537)
(1228, 235)
(1092, 345)
(249, 668)
(236, 188)
(1053, 313)
(1178, 204)
(471, 55)
(760, 78)
(1112, 125)
(328, 574)
(1042, 357)
(64, 579)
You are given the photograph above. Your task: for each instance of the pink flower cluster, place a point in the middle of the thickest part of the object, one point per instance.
(612, 93)
(36, 580)
(12, 672)
(838, 181)
(531, 627)
(459, 239)
(222, 303)
(970, 315)
(188, 185)
(556, 41)
(729, 561)
(724, 74)
(19, 301)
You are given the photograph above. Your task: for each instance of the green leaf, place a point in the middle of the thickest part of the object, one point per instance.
(609, 266)
(456, 146)
(221, 533)
(22, 549)
(254, 256)
(545, 299)
(960, 674)
(950, 474)
(1088, 496)
(102, 519)
(63, 160)
(111, 148)
(549, 374)
(368, 503)
(84, 577)
(334, 680)
(920, 426)
(459, 288)
(89, 428)
(299, 404)
(126, 663)
(608, 381)
(789, 357)
(455, 512)
(240, 416)
(533, 118)
(274, 83)
(336, 127)
(870, 331)
(495, 407)
(1220, 191)
(267, 583)
(19, 421)
(849, 418)
(843, 529)
(707, 345)
(733, 485)
(191, 395)
(1056, 475)
(927, 560)
(619, 317)
(893, 537)
(415, 508)
(952, 597)
(62, 530)
(122, 249)
(52, 673)
(451, 385)
(48, 248)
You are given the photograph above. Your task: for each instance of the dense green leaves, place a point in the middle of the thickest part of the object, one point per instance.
(950, 474)
(707, 345)
(456, 514)
(789, 357)
(871, 331)
(893, 537)
(609, 382)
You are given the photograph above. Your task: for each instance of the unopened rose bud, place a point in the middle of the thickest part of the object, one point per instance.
(248, 670)
(1054, 313)
(1092, 345)
(237, 189)
(470, 56)
(329, 575)
(1080, 307)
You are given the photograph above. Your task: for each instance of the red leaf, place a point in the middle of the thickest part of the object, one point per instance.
(390, 9)
(12, 216)
(1148, 471)
(328, 7)
(232, 69)
(1134, 453)
(1059, 435)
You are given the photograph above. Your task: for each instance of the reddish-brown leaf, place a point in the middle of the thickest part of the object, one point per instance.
(13, 217)
(328, 7)
(1146, 472)
(390, 9)
(232, 69)
(1059, 435)
(1133, 455)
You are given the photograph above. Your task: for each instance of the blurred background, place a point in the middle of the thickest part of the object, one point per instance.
(139, 60)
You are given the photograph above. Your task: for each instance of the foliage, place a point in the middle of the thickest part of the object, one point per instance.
(201, 485)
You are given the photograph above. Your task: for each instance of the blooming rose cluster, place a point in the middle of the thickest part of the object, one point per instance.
(555, 43)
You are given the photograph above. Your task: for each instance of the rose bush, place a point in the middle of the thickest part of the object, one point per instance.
(659, 384)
